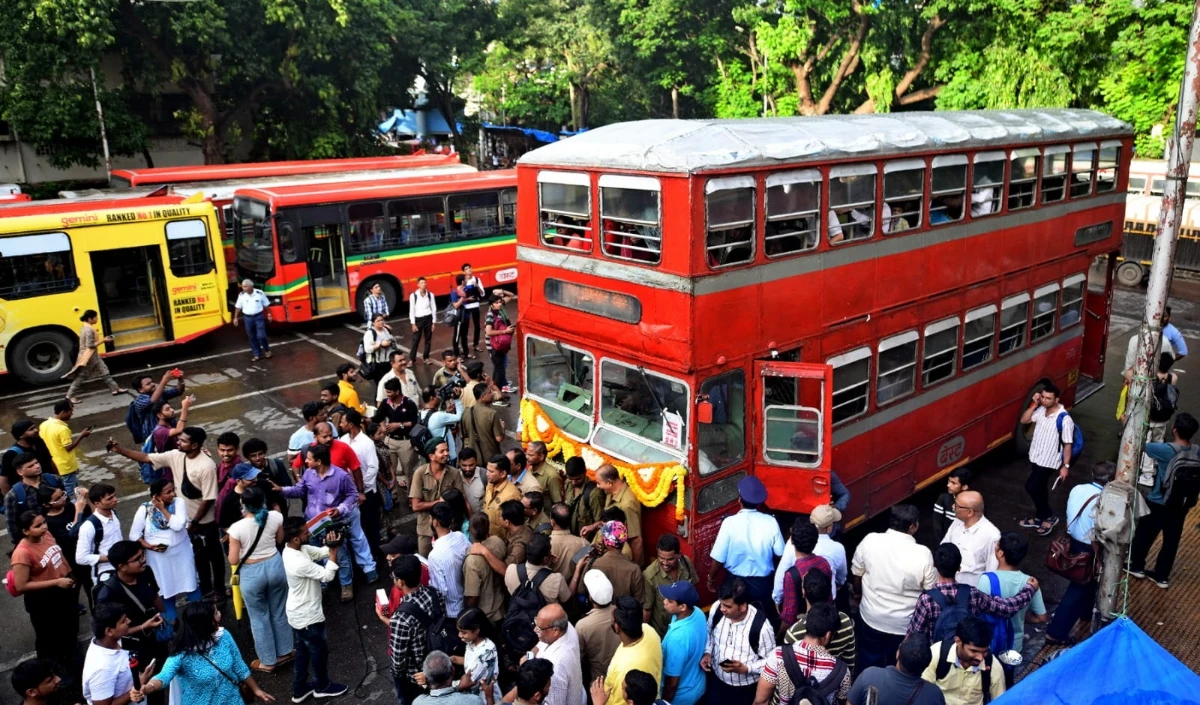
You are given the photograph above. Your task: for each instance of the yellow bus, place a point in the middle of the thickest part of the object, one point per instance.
(152, 268)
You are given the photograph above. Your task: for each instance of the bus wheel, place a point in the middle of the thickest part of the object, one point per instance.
(1130, 273)
(389, 293)
(42, 357)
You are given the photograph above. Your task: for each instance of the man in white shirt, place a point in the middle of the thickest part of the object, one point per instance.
(401, 370)
(446, 558)
(475, 294)
(422, 307)
(369, 502)
(305, 576)
(975, 535)
(98, 535)
(824, 517)
(559, 644)
(106, 675)
(891, 571)
(254, 305)
(740, 640)
(1049, 454)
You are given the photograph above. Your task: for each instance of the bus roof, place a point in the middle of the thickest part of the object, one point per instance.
(70, 205)
(1145, 210)
(689, 146)
(310, 194)
(129, 178)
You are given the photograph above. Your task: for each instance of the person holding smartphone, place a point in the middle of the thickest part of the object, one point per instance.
(160, 527)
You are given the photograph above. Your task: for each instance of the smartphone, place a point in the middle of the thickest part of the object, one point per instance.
(176, 372)
(727, 662)
(89, 429)
(381, 599)
(1056, 481)
(162, 547)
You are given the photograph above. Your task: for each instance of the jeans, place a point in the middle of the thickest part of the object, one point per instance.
(358, 545)
(499, 363)
(70, 482)
(256, 331)
(169, 611)
(875, 648)
(372, 523)
(718, 691)
(424, 328)
(1039, 491)
(1161, 519)
(1077, 602)
(474, 314)
(265, 590)
(210, 560)
(311, 647)
(459, 343)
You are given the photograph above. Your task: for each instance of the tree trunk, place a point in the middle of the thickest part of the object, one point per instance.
(675, 102)
(149, 159)
(574, 107)
(584, 106)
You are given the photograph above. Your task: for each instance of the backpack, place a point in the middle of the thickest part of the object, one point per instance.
(1164, 401)
(808, 688)
(985, 674)
(441, 632)
(527, 600)
(1002, 628)
(952, 614)
(1181, 483)
(756, 626)
(420, 434)
(18, 450)
(136, 422)
(19, 490)
(148, 472)
(1076, 435)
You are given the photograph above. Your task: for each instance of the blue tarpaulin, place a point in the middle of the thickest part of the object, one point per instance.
(408, 122)
(539, 135)
(1119, 665)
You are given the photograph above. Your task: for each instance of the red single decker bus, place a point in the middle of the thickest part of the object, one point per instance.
(876, 295)
(203, 173)
(317, 249)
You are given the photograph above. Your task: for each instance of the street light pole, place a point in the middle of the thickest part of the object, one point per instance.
(103, 132)
(1120, 493)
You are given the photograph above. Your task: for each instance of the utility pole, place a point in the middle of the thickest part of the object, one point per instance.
(103, 132)
(1117, 503)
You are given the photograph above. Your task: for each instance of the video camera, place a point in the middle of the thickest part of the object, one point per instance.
(447, 390)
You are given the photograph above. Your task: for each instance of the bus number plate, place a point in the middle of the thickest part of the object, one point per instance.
(589, 299)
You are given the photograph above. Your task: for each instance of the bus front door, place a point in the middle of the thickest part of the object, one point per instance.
(129, 289)
(327, 271)
(793, 435)
(1097, 308)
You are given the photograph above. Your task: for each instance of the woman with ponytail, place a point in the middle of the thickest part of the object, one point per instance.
(255, 557)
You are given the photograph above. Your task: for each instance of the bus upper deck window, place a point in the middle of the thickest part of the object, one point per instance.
(1022, 178)
(948, 188)
(187, 247)
(1083, 169)
(33, 265)
(1107, 165)
(987, 183)
(565, 205)
(903, 191)
(851, 213)
(1054, 173)
(793, 208)
(630, 217)
(851, 384)
(729, 206)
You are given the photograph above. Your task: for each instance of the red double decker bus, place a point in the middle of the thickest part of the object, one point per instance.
(875, 295)
(317, 249)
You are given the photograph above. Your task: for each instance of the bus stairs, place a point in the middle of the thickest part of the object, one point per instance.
(332, 298)
(136, 331)
(1086, 387)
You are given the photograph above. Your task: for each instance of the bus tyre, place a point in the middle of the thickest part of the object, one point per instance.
(1130, 273)
(42, 357)
(389, 293)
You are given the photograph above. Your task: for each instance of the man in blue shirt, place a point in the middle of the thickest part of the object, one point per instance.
(1078, 600)
(1173, 336)
(746, 547)
(683, 646)
(1165, 517)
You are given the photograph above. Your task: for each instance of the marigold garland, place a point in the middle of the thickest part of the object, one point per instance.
(650, 483)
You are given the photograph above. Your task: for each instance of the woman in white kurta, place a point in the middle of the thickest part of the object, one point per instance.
(160, 526)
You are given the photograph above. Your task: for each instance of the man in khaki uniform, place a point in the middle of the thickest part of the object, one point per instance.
(512, 513)
(672, 566)
(481, 426)
(597, 640)
(564, 544)
(545, 473)
(553, 588)
(585, 499)
(619, 495)
(626, 578)
(429, 482)
(499, 490)
(481, 584)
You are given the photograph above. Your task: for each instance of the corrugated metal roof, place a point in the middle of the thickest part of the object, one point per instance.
(685, 146)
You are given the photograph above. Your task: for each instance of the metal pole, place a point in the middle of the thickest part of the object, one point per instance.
(103, 132)
(1161, 267)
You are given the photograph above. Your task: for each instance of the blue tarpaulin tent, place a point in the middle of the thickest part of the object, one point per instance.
(539, 135)
(1119, 665)
(418, 123)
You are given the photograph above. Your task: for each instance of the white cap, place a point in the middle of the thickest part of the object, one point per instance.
(598, 587)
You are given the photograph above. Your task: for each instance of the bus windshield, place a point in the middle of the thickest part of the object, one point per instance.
(252, 239)
(561, 379)
(643, 415)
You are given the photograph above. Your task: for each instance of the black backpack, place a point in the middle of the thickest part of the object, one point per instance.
(1164, 401)
(1181, 483)
(420, 434)
(808, 688)
(441, 632)
(952, 614)
(756, 626)
(985, 674)
(526, 602)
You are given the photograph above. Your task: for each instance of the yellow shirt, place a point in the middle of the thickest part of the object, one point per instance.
(57, 436)
(643, 655)
(963, 686)
(348, 395)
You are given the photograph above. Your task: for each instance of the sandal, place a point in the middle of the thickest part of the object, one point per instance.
(257, 665)
(267, 354)
(1030, 523)
(1047, 527)
(254, 359)
(73, 400)
(120, 392)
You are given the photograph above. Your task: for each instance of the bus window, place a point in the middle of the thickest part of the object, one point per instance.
(561, 379)
(897, 367)
(1014, 316)
(949, 188)
(508, 209)
(416, 221)
(729, 206)
(630, 218)
(643, 415)
(851, 384)
(33, 265)
(368, 227)
(722, 443)
(1022, 178)
(1107, 165)
(1072, 301)
(903, 191)
(977, 337)
(1045, 308)
(1083, 168)
(566, 209)
(1054, 173)
(187, 247)
(987, 187)
(473, 214)
(253, 239)
(852, 203)
(1158, 185)
(939, 358)
(793, 204)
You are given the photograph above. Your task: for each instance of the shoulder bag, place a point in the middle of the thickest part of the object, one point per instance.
(244, 689)
(235, 582)
(1077, 567)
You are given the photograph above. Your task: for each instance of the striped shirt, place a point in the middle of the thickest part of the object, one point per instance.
(1046, 450)
(815, 663)
(446, 569)
(731, 641)
(842, 643)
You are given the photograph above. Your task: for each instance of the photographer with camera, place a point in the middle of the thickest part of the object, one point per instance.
(305, 575)
(449, 371)
(437, 417)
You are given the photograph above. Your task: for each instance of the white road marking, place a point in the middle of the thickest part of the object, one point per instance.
(329, 348)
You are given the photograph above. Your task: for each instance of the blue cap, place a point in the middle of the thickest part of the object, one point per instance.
(244, 471)
(680, 591)
(752, 490)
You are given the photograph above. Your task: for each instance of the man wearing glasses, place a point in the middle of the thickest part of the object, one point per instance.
(559, 644)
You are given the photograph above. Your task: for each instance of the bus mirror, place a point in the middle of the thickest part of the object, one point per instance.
(704, 411)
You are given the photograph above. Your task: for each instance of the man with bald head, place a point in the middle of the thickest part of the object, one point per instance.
(341, 455)
(975, 536)
(559, 644)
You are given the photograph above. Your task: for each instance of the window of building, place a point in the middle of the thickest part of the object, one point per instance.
(1045, 308)
(851, 384)
(508, 210)
(949, 188)
(1158, 185)
(368, 227)
(188, 248)
(643, 415)
(473, 214)
(978, 332)
(1054, 173)
(903, 191)
(33, 265)
(729, 205)
(1083, 169)
(1107, 165)
(565, 205)
(416, 221)
(851, 202)
(1071, 311)
(723, 441)
(897, 367)
(793, 212)
(1137, 184)
(987, 185)
(560, 378)
(1022, 178)
(630, 218)
(939, 358)
(1014, 317)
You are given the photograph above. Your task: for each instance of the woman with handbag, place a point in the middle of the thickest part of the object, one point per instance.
(500, 332)
(377, 345)
(160, 527)
(206, 661)
(260, 579)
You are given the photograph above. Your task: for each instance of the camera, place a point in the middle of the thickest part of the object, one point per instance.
(447, 390)
(341, 528)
